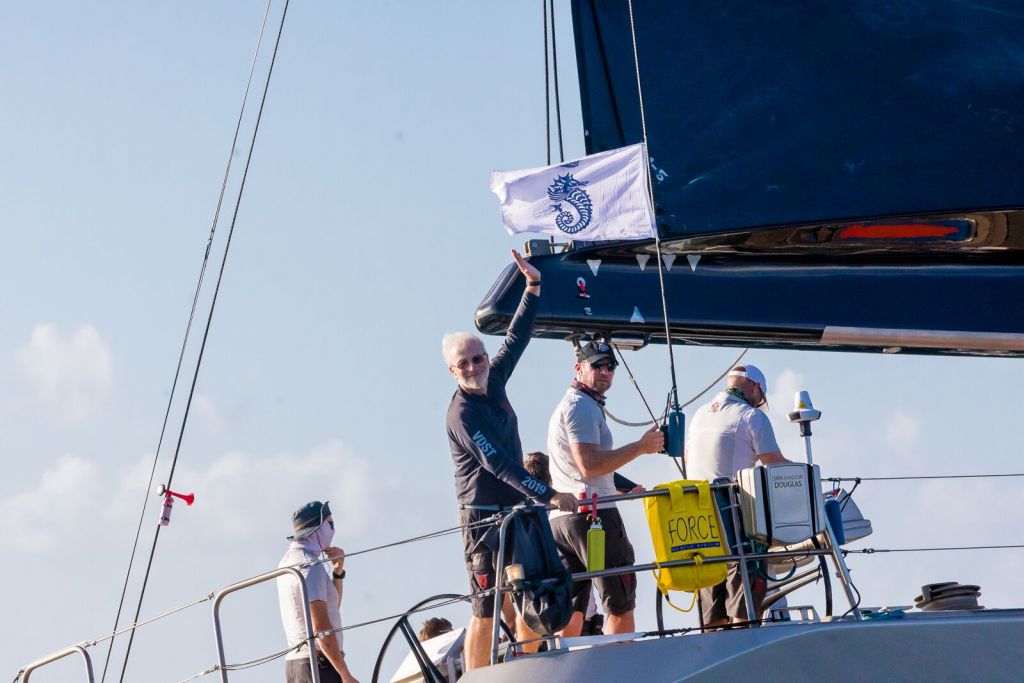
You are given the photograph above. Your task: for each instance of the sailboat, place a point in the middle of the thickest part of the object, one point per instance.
(822, 181)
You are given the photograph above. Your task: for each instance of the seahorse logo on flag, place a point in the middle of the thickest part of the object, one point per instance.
(567, 189)
(604, 196)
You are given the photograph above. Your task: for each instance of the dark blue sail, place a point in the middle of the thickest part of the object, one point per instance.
(826, 175)
(775, 113)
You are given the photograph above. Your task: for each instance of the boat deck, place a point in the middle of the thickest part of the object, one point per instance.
(976, 645)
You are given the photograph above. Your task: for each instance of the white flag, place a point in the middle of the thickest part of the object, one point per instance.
(600, 197)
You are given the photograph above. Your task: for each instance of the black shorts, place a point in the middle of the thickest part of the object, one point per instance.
(728, 600)
(480, 546)
(618, 593)
(297, 670)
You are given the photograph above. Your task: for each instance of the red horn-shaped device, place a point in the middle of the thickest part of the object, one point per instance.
(189, 498)
(169, 496)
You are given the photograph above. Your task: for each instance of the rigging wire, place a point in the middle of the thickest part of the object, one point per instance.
(627, 423)
(205, 672)
(674, 393)
(872, 551)
(464, 598)
(266, 659)
(260, 661)
(547, 86)
(632, 379)
(371, 622)
(932, 476)
(188, 332)
(558, 99)
(494, 519)
(650, 412)
(668, 406)
(158, 617)
(434, 534)
(717, 379)
(691, 401)
(209, 319)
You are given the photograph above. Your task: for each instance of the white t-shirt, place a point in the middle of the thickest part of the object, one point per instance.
(726, 436)
(577, 419)
(319, 586)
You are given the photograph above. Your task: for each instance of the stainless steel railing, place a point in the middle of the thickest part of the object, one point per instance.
(61, 654)
(739, 555)
(224, 592)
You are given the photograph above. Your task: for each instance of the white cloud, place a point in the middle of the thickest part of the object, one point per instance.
(72, 374)
(35, 520)
(70, 531)
(206, 411)
(902, 429)
(782, 390)
(239, 496)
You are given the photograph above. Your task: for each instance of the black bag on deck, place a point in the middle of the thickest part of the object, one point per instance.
(545, 597)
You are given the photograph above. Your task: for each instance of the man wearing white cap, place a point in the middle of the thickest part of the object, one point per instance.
(727, 435)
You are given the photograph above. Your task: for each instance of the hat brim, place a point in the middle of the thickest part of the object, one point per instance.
(304, 534)
(596, 357)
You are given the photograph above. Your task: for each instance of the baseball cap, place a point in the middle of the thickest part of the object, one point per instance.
(592, 352)
(754, 374)
(308, 518)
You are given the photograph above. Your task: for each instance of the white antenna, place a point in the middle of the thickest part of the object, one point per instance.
(804, 413)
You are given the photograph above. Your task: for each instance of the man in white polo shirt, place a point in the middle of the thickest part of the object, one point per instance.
(729, 434)
(583, 460)
(314, 531)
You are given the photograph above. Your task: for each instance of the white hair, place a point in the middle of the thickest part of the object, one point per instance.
(452, 339)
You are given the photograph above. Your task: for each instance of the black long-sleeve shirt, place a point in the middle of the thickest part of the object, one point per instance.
(483, 430)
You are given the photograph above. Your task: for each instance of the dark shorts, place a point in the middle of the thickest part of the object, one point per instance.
(297, 671)
(480, 546)
(727, 599)
(618, 593)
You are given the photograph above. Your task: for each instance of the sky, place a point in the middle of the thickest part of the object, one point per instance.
(366, 231)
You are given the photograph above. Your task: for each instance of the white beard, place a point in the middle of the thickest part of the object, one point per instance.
(477, 383)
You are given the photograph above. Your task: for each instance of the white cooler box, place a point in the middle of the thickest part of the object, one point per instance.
(781, 504)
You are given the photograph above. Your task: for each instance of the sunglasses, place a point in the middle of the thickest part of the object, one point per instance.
(475, 360)
(605, 365)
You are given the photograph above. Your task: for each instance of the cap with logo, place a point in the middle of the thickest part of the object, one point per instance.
(591, 352)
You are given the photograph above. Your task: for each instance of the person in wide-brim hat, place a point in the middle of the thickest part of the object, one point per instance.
(312, 535)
